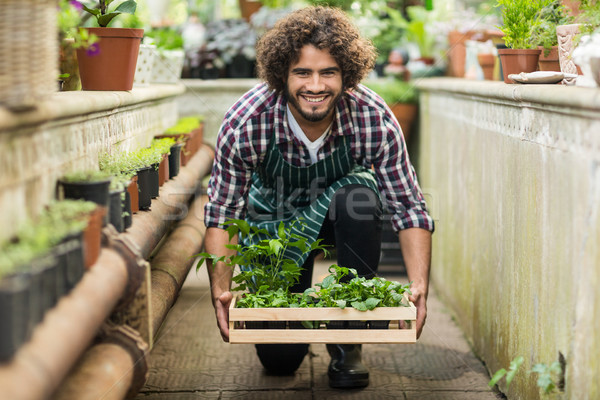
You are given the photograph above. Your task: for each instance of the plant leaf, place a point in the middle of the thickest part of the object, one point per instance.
(128, 7)
(497, 376)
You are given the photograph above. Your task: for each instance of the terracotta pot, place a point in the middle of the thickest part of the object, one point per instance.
(565, 35)
(405, 114)
(457, 52)
(163, 170)
(487, 62)
(92, 237)
(515, 61)
(249, 7)
(113, 67)
(132, 189)
(549, 62)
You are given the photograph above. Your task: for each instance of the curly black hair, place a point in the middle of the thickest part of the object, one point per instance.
(323, 27)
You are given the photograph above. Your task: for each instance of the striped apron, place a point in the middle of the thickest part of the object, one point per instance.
(280, 191)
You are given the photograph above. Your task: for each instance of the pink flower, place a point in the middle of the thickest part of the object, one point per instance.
(76, 4)
(93, 49)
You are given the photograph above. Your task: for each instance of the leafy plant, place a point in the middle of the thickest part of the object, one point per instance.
(394, 91)
(510, 374)
(519, 19)
(87, 176)
(264, 268)
(35, 239)
(185, 125)
(104, 13)
(547, 375)
(551, 16)
(164, 39)
(360, 293)
(69, 21)
(589, 16)
(163, 145)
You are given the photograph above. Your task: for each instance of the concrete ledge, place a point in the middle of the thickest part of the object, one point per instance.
(556, 95)
(69, 104)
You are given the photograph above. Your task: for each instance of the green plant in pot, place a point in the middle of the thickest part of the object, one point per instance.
(401, 97)
(124, 167)
(111, 62)
(170, 55)
(544, 33)
(520, 18)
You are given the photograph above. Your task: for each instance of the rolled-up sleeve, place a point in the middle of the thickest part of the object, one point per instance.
(229, 181)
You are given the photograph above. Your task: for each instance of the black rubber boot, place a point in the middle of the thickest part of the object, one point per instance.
(346, 370)
(281, 359)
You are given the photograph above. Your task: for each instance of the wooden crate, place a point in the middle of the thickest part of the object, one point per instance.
(394, 334)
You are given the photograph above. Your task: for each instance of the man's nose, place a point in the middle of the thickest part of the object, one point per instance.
(315, 83)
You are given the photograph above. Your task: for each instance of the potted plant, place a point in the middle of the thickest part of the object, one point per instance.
(164, 146)
(519, 19)
(110, 63)
(169, 56)
(124, 165)
(233, 41)
(189, 130)
(91, 185)
(544, 33)
(401, 97)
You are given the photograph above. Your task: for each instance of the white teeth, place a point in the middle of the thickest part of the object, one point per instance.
(310, 100)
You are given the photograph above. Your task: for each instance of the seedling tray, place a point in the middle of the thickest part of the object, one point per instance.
(239, 333)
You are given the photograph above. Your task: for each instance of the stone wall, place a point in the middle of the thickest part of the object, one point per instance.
(514, 172)
(68, 132)
(212, 99)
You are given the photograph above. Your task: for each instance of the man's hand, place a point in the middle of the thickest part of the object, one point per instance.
(420, 301)
(416, 250)
(221, 305)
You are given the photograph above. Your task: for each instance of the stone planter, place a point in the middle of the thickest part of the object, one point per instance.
(144, 66)
(566, 34)
(167, 66)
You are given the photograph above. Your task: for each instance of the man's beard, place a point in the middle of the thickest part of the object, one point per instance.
(313, 116)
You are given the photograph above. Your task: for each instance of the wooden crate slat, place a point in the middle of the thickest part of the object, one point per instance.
(249, 336)
(321, 314)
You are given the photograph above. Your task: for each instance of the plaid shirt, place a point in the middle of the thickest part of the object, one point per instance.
(377, 142)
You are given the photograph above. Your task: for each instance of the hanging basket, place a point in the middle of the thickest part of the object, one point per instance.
(112, 66)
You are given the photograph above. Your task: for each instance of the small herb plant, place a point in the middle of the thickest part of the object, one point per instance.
(265, 272)
(360, 293)
(551, 16)
(549, 376)
(520, 18)
(105, 12)
(185, 125)
(87, 176)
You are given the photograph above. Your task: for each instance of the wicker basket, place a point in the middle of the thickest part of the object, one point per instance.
(28, 51)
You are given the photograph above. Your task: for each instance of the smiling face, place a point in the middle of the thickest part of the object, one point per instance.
(314, 86)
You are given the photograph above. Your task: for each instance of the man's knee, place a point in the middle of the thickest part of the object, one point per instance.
(356, 203)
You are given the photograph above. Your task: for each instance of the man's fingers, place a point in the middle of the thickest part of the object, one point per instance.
(222, 311)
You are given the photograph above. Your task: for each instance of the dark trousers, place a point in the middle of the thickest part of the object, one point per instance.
(353, 226)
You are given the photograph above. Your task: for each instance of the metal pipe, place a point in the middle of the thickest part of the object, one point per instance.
(66, 331)
(117, 369)
(172, 263)
(148, 228)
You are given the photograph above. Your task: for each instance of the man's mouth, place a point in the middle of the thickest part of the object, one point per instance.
(314, 99)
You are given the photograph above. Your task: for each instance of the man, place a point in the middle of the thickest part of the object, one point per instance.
(313, 143)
